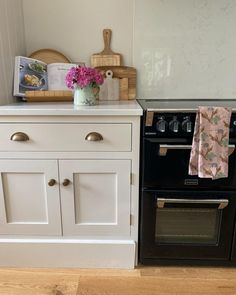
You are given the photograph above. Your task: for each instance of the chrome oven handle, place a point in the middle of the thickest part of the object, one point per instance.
(163, 148)
(221, 202)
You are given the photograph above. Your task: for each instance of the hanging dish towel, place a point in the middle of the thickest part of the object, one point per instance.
(209, 154)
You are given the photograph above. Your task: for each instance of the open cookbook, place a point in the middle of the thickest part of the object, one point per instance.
(33, 75)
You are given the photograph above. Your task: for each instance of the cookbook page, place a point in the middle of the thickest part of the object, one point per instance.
(29, 75)
(57, 75)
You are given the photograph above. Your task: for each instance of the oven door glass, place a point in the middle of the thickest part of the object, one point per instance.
(186, 225)
(165, 166)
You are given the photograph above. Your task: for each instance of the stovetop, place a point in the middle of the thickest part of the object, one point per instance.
(184, 105)
(175, 118)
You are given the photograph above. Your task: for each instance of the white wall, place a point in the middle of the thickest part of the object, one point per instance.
(185, 48)
(74, 27)
(181, 48)
(12, 42)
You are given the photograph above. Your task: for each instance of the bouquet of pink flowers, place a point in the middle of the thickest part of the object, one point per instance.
(82, 77)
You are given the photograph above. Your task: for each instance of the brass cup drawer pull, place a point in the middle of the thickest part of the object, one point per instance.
(66, 182)
(94, 136)
(19, 136)
(52, 182)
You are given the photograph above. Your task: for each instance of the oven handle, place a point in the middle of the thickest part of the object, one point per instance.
(163, 148)
(221, 202)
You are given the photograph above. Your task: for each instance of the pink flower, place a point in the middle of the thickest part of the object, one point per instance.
(82, 77)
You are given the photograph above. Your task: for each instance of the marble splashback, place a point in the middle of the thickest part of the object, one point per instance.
(185, 48)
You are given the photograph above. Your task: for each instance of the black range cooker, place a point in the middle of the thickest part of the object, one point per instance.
(183, 218)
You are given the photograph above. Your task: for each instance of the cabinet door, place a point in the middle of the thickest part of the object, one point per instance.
(97, 200)
(28, 205)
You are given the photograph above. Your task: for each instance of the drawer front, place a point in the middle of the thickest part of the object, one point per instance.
(66, 137)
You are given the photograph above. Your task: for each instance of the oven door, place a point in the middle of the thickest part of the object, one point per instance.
(165, 166)
(186, 225)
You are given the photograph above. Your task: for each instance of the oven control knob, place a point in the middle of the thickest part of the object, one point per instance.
(187, 125)
(161, 125)
(174, 125)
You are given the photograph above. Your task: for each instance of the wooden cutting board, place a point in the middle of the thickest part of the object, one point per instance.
(48, 96)
(48, 56)
(127, 76)
(107, 57)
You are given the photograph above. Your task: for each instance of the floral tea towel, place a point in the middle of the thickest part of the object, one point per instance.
(209, 154)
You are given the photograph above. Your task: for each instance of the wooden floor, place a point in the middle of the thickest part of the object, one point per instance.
(143, 280)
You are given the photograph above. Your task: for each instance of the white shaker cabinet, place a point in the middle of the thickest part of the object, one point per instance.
(69, 185)
(29, 198)
(95, 197)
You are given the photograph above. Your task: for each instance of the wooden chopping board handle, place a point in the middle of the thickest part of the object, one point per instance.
(107, 42)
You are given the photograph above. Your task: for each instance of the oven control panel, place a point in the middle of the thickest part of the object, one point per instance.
(171, 125)
(176, 125)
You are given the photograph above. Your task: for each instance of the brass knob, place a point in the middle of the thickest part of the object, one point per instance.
(66, 182)
(94, 136)
(52, 182)
(19, 136)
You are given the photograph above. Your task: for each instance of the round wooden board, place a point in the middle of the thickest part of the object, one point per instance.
(50, 56)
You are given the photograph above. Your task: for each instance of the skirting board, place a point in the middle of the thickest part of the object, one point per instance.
(67, 253)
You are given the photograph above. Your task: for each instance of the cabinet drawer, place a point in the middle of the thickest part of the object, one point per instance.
(87, 137)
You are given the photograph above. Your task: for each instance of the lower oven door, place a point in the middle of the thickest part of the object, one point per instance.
(165, 166)
(186, 225)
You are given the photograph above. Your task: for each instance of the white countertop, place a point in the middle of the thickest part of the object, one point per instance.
(185, 105)
(103, 108)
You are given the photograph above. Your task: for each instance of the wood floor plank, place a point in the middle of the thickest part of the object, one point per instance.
(153, 285)
(37, 282)
(141, 281)
(190, 272)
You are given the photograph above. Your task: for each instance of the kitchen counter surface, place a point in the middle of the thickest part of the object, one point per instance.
(114, 108)
(184, 105)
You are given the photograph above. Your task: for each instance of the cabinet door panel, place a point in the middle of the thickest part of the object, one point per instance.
(20, 206)
(28, 205)
(97, 202)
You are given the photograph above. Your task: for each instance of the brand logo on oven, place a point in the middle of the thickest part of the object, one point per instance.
(191, 182)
